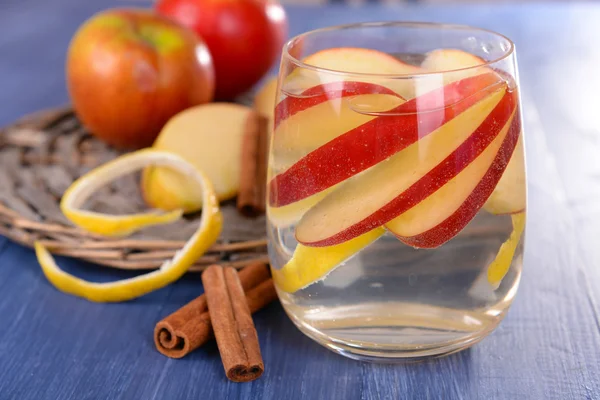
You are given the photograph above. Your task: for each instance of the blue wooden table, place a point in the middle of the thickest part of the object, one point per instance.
(53, 346)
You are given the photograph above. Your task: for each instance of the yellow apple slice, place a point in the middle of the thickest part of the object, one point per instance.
(457, 61)
(370, 199)
(208, 136)
(310, 264)
(499, 267)
(451, 64)
(358, 61)
(509, 197)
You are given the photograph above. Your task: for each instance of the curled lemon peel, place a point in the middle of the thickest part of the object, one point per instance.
(205, 236)
(310, 264)
(498, 268)
(117, 225)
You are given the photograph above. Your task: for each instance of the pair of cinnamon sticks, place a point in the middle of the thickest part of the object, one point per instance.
(224, 310)
(253, 172)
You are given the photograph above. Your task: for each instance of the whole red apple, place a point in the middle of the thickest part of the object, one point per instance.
(244, 37)
(129, 71)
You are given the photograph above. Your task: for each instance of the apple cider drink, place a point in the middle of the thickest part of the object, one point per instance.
(396, 187)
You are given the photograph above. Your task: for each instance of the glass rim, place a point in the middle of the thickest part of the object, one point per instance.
(416, 24)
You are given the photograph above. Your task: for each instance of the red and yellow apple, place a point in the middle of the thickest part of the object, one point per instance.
(245, 37)
(129, 71)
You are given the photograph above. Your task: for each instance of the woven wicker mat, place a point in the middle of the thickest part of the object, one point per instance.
(43, 153)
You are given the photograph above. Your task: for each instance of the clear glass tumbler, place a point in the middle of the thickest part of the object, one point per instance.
(396, 187)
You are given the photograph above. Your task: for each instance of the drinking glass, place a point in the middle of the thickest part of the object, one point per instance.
(397, 187)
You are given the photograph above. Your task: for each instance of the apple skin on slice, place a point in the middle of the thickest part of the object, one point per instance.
(322, 113)
(319, 94)
(374, 141)
(451, 226)
(403, 181)
(442, 215)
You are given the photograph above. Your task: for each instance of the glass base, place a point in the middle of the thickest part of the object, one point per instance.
(411, 340)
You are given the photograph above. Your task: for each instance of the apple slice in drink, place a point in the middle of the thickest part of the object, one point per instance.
(359, 61)
(509, 196)
(446, 212)
(404, 180)
(372, 142)
(443, 60)
(510, 193)
(322, 113)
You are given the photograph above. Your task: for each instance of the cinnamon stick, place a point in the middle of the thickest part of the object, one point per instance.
(251, 200)
(190, 327)
(232, 323)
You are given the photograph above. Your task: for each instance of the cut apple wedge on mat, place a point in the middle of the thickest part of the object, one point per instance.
(358, 61)
(310, 264)
(210, 137)
(404, 180)
(374, 141)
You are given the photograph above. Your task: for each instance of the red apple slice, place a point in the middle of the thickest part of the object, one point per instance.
(317, 95)
(323, 113)
(319, 115)
(446, 198)
(359, 61)
(374, 141)
(509, 196)
(404, 180)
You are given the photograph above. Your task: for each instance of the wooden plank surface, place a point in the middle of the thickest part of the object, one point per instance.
(53, 346)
